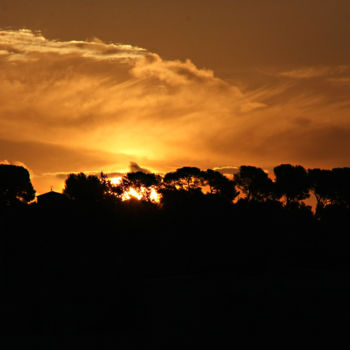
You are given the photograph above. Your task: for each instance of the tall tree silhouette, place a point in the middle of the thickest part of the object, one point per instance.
(292, 182)
(85, 188)
(254, 183)
(185, 178)
(15, 185)
(219, 184)
(322, 185)
(140, 181)
(341, 181)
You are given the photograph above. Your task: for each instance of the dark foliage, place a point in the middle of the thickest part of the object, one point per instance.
(255, 184)
(85, 188)
(292, 182)
(186, 178)
(15, 186)
(341, 192)
(97, 272)
(220, 185)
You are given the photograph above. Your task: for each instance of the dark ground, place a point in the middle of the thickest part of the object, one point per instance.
(95, 279)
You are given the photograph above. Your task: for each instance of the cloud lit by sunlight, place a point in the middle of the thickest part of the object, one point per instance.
(115, 103)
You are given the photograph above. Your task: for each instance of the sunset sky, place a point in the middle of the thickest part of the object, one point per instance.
(92, 85)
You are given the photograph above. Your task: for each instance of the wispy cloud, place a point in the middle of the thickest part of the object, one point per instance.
(25, 44)
(316, 72)
(68, 96)
(128, 104)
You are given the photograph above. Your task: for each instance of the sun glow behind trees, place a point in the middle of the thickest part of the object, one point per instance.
(154, 196)
(290, 187)
(150, 187)
(140, 193)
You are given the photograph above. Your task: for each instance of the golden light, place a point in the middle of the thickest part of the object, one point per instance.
(142, 193)
(132, 193)
(116, 180)
(135, 193)
(155, 196)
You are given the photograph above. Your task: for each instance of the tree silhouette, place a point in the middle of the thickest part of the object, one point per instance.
(185, 178)
(322, 185)
(219, 184)
(292, 182)
(15, 185)
(85, 188)
(140, 181)
(136, 256)
(254, 183)
(341, 181)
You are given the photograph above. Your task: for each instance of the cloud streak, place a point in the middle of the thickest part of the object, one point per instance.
(24, 44)
(127, 103)
(316, 72)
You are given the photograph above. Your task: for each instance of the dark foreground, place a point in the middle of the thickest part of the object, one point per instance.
(96, 278)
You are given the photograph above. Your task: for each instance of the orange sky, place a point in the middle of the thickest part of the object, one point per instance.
(94, 85)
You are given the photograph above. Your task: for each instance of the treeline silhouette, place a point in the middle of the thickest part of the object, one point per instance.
(200, 257)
